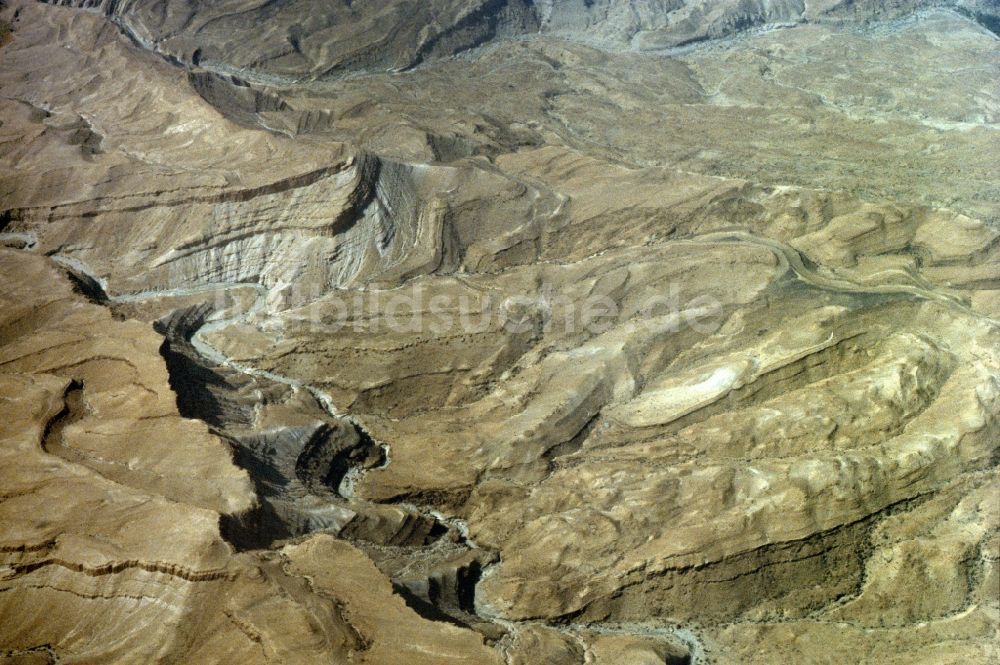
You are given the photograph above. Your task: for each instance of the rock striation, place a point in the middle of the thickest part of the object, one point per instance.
(306, 39)
(499, 332)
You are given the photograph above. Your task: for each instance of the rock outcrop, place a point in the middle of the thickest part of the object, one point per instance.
(308, 40)
(499, 332)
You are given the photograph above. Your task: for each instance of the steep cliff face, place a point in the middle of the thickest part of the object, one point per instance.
(499, 332)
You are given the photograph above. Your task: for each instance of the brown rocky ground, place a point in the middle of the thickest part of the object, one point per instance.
(513, 332)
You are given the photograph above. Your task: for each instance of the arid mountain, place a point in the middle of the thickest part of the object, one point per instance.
(527, 333)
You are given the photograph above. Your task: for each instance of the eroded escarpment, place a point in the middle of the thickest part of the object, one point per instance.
(310, 40)
(112, 508)
(306, 463)
(297, 463)
(559, 351)
(297, 453)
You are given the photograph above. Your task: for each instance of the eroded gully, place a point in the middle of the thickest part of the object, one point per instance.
(789, 258)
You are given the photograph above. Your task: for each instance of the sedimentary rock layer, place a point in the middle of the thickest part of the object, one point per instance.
(499, 332)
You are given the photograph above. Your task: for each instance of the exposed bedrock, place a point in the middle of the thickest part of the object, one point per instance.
(306, 39)
(758, 433)
(297, 455)
(562, 346)
(616, 459)
(364, 220)
(300, 460)
(91, 436)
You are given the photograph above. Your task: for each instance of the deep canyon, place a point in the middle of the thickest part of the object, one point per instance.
(521, 332)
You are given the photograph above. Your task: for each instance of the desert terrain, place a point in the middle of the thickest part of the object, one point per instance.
(552, 332)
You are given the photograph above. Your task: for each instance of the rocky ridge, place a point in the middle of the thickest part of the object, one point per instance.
(780, 433)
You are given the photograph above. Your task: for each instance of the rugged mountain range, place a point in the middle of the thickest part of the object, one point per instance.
(500, 332)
